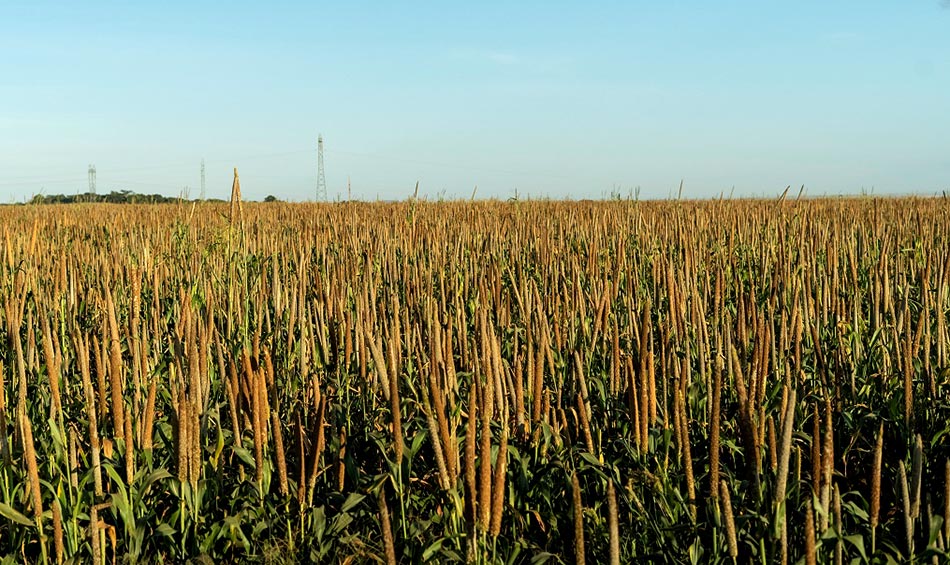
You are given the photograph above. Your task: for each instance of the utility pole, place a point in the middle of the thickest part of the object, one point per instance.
(321, 179)
(202, 195)
(92, 179)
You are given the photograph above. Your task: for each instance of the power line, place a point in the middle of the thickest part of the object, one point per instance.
(456, 166)
(321, 190)
(32, 179)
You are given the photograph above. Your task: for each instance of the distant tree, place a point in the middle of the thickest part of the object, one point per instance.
(114, 197)
(271, 198)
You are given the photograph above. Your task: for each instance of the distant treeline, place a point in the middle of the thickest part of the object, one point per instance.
(120, 197)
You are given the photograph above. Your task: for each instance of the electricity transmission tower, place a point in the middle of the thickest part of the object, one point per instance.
(202, 195)
(92, 179)
(321, 179)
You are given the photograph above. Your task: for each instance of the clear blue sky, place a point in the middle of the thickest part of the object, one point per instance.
(549, 98)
